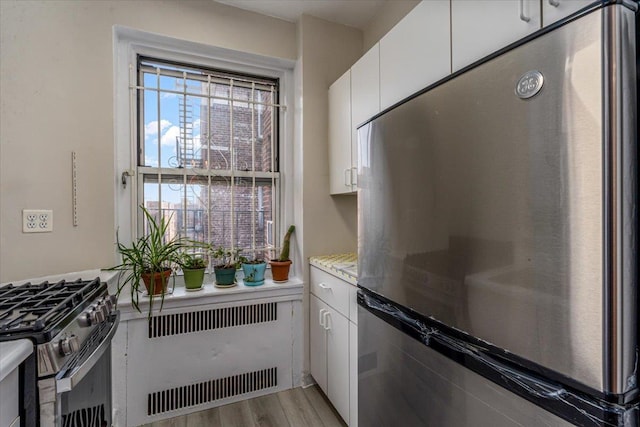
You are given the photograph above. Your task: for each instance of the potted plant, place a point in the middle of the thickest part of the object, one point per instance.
(254, 271)
(228, 261)
(150, 259)
(193, 267)
(280, 266)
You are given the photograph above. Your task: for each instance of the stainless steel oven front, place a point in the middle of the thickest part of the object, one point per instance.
(79, 395)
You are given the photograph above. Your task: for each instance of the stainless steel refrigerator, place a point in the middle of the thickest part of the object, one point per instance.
(498, 238)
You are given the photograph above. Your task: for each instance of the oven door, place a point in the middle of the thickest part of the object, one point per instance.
(83, 385)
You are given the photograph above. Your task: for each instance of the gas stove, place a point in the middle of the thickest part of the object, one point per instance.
(71, 323)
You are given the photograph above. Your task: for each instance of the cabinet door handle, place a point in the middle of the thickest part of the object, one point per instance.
(354, 176)
(347, 177)
(321, 318)
(327, 321)
(324, 286)
(554, 3)
(523, 17)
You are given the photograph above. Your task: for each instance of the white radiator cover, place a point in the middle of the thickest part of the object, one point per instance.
(193, 358)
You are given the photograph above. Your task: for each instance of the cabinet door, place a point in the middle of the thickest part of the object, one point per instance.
(416, 52)
(480, 27)
(340, 135)
(338, 362)
(554, 10)
(353, 375)
(365, 97)
(318, 342)
(365, 86)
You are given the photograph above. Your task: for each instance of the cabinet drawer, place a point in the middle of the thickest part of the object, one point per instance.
(331, 290)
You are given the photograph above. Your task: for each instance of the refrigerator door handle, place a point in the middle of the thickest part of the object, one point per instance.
(523, 17)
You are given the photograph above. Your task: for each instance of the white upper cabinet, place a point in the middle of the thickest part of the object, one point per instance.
(365, 86)
(340, 163)
(365, 94)
(480, 27)
(555, 10)
(416, 52)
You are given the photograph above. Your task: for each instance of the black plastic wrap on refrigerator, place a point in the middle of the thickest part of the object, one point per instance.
(564, 401)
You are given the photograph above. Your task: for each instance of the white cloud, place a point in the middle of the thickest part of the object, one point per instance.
(150, 161)
(151, 128)
(169, 136)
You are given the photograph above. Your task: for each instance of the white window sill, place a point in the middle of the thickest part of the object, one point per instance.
(181, 298)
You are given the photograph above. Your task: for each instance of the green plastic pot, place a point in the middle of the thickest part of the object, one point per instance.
(193, 278)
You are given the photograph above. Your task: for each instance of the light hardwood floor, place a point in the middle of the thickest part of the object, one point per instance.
(298, 407)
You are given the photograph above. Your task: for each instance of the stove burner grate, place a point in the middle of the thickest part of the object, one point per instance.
(35, 307)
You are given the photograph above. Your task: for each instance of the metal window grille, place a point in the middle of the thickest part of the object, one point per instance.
(207, 153)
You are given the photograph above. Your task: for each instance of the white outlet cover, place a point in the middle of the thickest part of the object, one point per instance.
(37, 221)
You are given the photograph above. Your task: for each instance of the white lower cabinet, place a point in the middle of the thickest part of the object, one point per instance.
(333, 352)
(329, 357)
(353, 374)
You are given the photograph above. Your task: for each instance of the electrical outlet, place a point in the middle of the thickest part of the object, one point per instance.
(37, 221)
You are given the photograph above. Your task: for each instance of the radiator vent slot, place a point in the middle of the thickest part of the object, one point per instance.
(210, 391)
(206, 320)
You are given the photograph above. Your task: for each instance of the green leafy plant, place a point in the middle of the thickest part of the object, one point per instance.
(150, 254)
(192, 261)
(227, 258)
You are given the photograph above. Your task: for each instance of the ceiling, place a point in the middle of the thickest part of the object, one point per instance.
(354, 13)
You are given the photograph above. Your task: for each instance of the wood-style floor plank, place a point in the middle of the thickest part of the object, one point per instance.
(290, 408)
(210, 417)
(328, 415)
(267, 411)
(236, 415)
(298, 409)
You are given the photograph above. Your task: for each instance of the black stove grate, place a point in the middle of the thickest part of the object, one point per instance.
(31, 309)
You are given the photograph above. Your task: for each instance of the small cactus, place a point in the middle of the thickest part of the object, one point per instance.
(284, 255)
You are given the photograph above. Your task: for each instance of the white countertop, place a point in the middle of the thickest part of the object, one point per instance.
(343, 266)
(12, 354)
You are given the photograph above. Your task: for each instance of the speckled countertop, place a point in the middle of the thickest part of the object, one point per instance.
(344, 266)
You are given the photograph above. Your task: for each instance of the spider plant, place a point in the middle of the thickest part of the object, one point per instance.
(150, 259)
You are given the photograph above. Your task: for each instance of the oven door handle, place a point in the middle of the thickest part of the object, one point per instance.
(66, 380)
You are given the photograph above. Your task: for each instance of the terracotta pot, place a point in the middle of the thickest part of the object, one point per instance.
(280, 270)
(158, 285)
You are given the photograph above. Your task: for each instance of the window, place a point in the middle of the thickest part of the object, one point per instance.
(207, 152)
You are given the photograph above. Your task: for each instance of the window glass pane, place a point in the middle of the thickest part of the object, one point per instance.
(200, 132)
(253, 210)
(149, 115)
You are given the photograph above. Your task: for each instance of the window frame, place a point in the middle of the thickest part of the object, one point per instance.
(129, 44)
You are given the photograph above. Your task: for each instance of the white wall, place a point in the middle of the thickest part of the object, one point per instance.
(56, 81)
(326, 50)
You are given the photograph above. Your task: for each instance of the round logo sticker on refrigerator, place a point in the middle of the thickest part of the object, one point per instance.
(529, 84)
